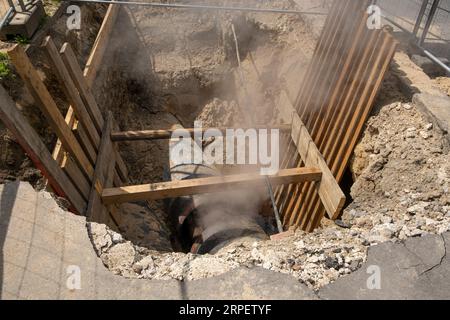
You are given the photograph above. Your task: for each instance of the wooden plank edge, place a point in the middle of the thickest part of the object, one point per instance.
(165, 190)
(332, 196)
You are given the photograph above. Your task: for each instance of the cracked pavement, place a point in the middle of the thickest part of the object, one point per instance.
(39, 241)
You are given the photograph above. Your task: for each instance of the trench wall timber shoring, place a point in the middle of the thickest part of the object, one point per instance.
(334, 102)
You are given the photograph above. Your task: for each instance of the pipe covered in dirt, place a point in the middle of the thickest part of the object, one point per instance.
(206, 223)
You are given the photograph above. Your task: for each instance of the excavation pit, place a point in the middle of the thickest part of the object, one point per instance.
(177, 67)
(194, 77)
(165, 68)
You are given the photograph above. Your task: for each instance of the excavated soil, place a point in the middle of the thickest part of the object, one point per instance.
(443, 83)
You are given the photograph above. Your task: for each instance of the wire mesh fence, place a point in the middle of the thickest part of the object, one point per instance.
(428, 20)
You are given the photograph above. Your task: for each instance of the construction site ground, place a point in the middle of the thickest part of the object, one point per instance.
(398, 182)
(41, 243)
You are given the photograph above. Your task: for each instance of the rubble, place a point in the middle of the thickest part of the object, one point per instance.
(400, 192)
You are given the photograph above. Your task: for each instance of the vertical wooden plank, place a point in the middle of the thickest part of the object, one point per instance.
(79, 132)
(328, 189)
(38, 153)
(323, 129)
(58, 153)
(94, 61)
(80, 82)
(69, 59)
(96, 210)
(309, 107)
(71, 91)
(95, 57)
(334, 101)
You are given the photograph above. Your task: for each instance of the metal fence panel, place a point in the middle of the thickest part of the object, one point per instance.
(413, 16)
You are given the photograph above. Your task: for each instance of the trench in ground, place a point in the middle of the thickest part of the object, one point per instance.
(171, 67)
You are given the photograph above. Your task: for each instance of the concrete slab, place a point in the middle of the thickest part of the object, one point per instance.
(431, 102)
(416, 269)
(436, 108)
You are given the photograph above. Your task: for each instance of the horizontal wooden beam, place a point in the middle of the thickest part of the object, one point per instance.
(167, 134)
(173, 189)
(329, 191)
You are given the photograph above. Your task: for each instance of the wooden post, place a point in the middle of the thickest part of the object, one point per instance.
(80, 82)
(167, 134)
(71, 91)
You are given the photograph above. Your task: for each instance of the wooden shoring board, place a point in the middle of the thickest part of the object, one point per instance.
(288, 160)
(334, 102)
(291, 156)
(80, 82)
(49, 108)
(104, 171)
(165, 190)
(80, 182)
(314, 206)
(350, 94)
(70, 90)
(58, 153)
(317, 96)
(79, 132)
(331, 195)
(30, 141)
(359, 122)
(93, 63)
(90, 73)
(306, 214)
(327, 107)
(331, 42)
(370, 71)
